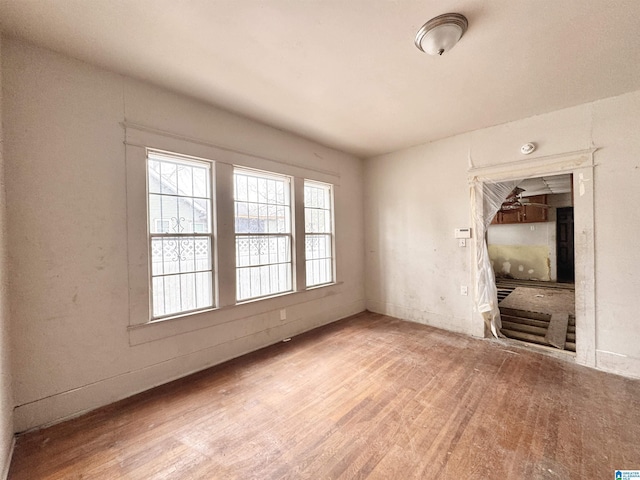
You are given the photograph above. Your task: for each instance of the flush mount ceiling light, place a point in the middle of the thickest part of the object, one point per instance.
(441, 33)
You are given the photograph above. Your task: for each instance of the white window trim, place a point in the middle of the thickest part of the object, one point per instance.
(141, 329)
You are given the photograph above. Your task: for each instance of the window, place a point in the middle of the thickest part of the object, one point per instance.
(180, 234)
(262, 204)
(215, 235)
(318, 228)
(162, 226)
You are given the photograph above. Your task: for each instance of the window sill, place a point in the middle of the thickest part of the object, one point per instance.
(181, 324)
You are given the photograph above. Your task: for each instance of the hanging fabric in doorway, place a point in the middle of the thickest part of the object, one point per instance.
(486, 199)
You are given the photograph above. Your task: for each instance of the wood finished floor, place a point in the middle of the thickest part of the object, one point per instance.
(367, 397)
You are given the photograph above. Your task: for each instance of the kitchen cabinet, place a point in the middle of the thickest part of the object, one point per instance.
(526, 213)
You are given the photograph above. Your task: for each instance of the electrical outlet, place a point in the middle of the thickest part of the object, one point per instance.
(283, 314)
(464, 290)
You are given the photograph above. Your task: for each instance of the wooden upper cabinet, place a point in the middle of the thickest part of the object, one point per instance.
(525, 214)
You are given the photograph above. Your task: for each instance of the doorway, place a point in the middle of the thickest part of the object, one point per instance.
(483, 181)
(522, 241)
(565, 245)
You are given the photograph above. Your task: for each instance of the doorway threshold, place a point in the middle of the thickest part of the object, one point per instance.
(533, 347)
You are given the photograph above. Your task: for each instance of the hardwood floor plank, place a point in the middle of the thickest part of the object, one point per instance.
(367, 397)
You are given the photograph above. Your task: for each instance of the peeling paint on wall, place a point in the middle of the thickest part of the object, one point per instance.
(526, 262)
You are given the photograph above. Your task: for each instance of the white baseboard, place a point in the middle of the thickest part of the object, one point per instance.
(72, 403)
(619, 364)
(432, 319)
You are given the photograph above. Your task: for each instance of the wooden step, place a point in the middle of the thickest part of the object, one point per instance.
(504, 283)
(570, 344)
(525, 337)
(525, 314)
(525, 321)
(533, 330)
(519, 327)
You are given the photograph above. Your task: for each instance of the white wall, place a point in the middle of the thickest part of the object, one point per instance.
(66, 185)
(615, 129)
(6, 400)
(415, 198)
(540, 235)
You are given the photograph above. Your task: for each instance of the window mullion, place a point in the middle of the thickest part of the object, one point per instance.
(226, 241)
(299, 239)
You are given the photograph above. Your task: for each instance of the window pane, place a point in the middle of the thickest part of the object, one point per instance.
(168, 178)
(203, 289)
(169, 213)
(200, 182)
(180, 254)
(172, 294)
(260, 250)
(157, 287)
(252, 189)
(241, 188)
(154, 183)
(318, 246)
(260, 281)
(319, 271)
(156, 223)
(185, 265)
(202, 254)
(282, 219)
(187, 292)
(261, 203)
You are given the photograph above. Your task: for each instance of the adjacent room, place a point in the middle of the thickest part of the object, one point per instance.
(530, 244)
(319, 239)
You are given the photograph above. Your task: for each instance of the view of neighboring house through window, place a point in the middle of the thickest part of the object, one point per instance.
(181, 241)
(318, 227)
(263, 233)
(180, 234)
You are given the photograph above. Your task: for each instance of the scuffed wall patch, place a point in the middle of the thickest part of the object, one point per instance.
(525, 262)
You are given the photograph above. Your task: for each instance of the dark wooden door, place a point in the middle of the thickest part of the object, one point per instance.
(564, 239)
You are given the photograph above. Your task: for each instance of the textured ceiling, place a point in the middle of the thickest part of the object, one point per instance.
(345, 72)
(546, 185)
